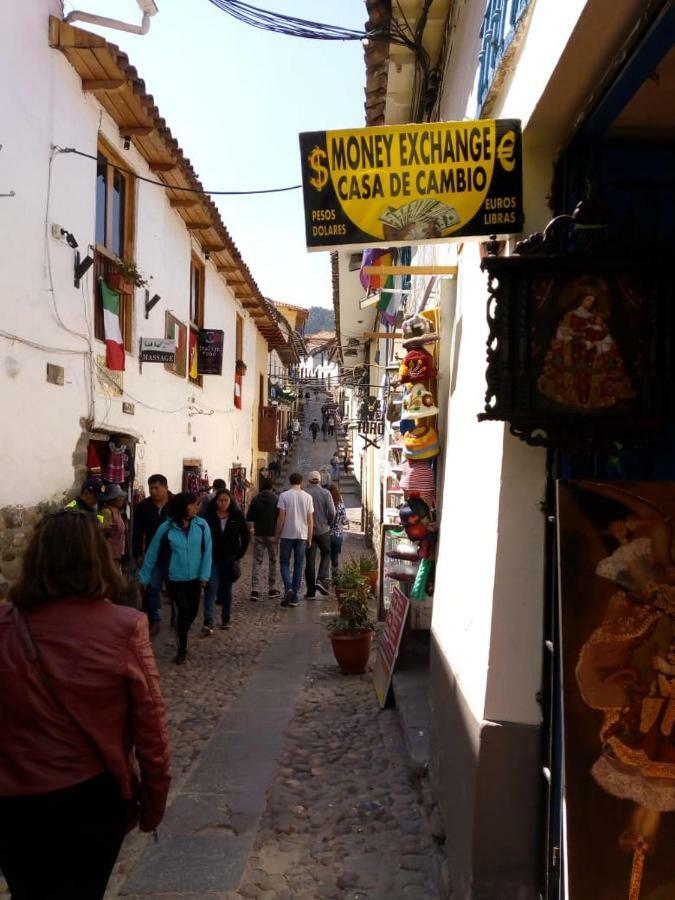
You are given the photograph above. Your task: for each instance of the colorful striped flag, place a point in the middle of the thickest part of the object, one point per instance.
(114, 344)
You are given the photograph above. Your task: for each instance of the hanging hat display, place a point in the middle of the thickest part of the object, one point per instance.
(421, 442)
(417, 331)
(416, 519)
(417, 365)
(418, 403)
(417, 476)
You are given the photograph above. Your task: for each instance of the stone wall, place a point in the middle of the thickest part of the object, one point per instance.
(16, 526)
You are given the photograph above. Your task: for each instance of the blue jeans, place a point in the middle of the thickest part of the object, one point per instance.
(220, 588)
(335, 550)
(297, 547)
(153, 594)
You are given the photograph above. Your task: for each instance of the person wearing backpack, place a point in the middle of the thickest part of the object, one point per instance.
(263, 513)
(182, 543)
(230, 539)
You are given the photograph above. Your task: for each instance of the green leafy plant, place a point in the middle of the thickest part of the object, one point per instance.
(366, 563)
(354, 612)
(347, 578)
(128, 269)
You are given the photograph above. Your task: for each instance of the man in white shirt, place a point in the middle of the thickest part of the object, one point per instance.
(295, 527)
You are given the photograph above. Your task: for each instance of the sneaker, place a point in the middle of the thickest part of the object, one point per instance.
(207, 628)
(321, 588)
(181, 658)
(224, 626)
(255, 596)
(310, 597)
(294, 601)
(273, 594)
(288, 596)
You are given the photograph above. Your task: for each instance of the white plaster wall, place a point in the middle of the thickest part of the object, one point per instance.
(42, 103)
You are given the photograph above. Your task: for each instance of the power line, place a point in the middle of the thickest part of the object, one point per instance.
(187, 190)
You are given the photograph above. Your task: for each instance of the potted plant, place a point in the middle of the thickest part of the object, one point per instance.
(351, 632)
(346, 579)
(126, 277)
(367, 565)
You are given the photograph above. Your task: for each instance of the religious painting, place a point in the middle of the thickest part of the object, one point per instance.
(586, 342)
(617, 614)
(579, 345)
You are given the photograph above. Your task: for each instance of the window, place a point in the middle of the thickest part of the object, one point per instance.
(196, 316)
(114, 236)
(176, 331)
(239, 340)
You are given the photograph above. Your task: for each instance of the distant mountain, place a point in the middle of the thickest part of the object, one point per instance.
(320, 319)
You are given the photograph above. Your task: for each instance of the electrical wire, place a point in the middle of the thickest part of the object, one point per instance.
(76, 152)
(15, 338)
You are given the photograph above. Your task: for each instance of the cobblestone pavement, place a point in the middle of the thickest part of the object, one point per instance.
(343, 818)
(196, 694)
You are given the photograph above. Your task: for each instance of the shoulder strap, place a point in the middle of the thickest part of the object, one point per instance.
(32, 653)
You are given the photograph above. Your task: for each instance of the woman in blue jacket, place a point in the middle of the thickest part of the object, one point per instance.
(182, 544)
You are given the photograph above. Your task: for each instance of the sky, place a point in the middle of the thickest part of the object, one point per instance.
(235, 99)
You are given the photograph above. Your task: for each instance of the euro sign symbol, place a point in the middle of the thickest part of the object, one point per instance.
(316, 159)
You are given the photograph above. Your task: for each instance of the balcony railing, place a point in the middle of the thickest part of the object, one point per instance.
(496, 33)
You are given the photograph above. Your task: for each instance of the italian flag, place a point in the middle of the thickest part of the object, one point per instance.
(114, 345)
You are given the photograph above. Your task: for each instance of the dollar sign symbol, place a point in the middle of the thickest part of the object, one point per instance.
(315, 160)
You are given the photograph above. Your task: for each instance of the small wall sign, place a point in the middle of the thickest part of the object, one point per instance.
(157, 350)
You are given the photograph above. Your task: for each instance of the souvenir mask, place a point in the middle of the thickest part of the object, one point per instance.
(419, 403)
(417, 365)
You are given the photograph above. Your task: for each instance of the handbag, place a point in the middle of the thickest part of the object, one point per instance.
(34, 657)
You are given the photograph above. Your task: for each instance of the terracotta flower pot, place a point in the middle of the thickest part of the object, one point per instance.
(352, 650)
(119, 283)
(372, 579)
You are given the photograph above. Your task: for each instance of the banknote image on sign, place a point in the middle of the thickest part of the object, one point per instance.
(411, 184)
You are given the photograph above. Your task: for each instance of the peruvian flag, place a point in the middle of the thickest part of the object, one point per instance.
(114, 345)
(237, 389)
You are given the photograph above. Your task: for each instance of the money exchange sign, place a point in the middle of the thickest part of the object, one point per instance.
(411, 184)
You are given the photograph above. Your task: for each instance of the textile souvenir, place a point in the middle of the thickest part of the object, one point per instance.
(417, 331)
(418, 403)
(417, 476)
(419, 591)
(114, 470)
(421, 442)
(417, 365)
(416, 519)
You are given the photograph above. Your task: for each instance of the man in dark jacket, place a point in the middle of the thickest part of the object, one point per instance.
(263, 513)
(148, 516)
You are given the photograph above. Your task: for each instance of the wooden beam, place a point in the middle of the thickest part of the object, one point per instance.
(136, 130)
(224, 270)
(410, 270)
(212, 248)
(103, 84)
(197, 226)
(183, 203)
(162, 166)
(382, 335)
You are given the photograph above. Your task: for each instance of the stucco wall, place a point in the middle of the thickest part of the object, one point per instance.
(43, 104)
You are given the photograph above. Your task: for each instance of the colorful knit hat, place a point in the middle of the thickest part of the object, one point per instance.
(421, 442)
(417, 476)
(417, 331)
(417, 365)
(418, 403)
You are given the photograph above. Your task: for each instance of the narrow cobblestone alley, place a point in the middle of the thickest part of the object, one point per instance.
(289, 782)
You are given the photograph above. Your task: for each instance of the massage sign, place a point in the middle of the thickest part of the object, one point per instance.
(411, 184)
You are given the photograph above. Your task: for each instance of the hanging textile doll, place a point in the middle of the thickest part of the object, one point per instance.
(114, 470)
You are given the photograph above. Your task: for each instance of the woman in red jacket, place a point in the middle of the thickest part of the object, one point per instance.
(84, 754)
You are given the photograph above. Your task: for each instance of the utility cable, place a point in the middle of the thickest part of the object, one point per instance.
(73, 150)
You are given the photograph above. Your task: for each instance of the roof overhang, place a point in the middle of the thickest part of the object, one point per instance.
(107, 74)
